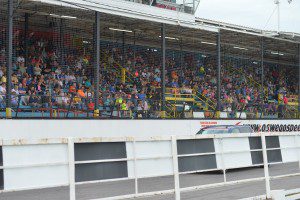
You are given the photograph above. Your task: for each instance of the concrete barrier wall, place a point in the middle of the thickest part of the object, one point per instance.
(40, 163)
(15, 129)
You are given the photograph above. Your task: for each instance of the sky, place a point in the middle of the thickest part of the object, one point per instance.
(252, 13)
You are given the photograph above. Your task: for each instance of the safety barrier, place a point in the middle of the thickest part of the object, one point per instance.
(33, 164)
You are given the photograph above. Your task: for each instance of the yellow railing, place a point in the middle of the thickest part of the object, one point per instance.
(173, 95)
(249, 78)
(129, 75)
(209, 103)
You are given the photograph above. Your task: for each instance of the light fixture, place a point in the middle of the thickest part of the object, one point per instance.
(277, 53)
(210, 43)
(254, 62)
(120, 30)
(241, 48)
(62, 16)
(170, 38)
(86, 42)
(68, 17)
(54, 15)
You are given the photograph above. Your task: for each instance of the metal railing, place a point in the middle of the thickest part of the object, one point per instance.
(174, 157)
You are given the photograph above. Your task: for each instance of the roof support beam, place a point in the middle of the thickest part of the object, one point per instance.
(97, 62)
(163, 69)
(262, 77)
(219, 71)
(9, 57)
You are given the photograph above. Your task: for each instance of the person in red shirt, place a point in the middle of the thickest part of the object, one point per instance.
(72, 88)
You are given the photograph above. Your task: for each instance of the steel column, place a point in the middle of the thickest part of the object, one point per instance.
(61, 41)
(97, 61)
(163, 68)
(299, 80)
(181, 57)
(134, 48)
(123, 49)
(9, 57)
(26, 38)
(262, 77)
(219, 71)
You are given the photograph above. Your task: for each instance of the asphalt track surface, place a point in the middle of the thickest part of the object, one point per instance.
(101, 190)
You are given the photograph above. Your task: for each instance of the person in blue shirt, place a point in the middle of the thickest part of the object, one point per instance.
(142, 95)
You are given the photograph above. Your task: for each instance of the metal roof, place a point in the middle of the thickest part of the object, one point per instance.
(237, 41)
(293, 37)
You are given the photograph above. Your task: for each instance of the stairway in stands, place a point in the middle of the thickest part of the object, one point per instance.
(117, 67)
(250, 80)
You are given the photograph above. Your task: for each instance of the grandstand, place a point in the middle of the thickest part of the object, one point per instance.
(141, 59)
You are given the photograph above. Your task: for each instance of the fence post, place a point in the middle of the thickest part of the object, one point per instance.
(266, 167)
(71, 168)
(222, 160)
(297, 144)
(135, 169)
(175, 168)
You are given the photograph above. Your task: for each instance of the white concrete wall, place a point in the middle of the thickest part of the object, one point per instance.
(16, 129)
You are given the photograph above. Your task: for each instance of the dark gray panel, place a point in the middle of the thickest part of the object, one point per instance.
(273, 156)
(257, 157)
(271, 142)
(193, 163)
(100, 151)
(1, 156)
(1, 180)
(100, 171)
(195, 146)
(255, 143)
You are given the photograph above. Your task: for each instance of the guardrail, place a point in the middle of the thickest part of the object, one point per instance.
(42, 163)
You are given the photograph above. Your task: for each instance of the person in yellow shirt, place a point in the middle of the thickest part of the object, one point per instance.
(124, 109)
(3, 79)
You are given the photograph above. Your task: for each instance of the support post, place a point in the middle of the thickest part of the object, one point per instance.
(223, 160)
(262, 77)
(26, 28)
(97, 63)
(266, 167)
(181, 57)
(61, 41)
(71, 159)
(175, 168)
(134, 48)
(136, 184)
(9, 58)
(123, 49)
(123, 70)
(163, 69)
(219, 72)
(297, 148)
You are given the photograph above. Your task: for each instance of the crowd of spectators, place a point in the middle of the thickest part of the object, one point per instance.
(48, 81)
